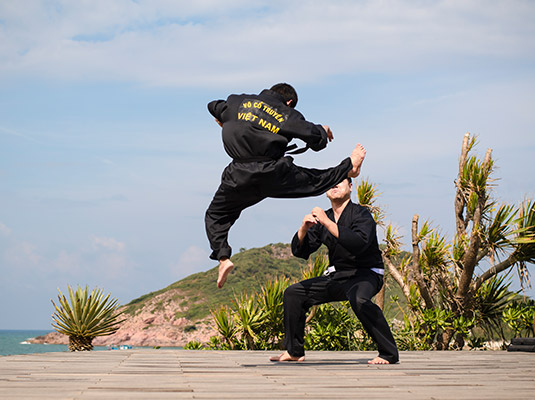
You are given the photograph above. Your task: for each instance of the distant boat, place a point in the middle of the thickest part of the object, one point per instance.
(121, 347)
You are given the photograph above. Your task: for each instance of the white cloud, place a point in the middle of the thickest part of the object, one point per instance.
(213, 43)
(107, 244)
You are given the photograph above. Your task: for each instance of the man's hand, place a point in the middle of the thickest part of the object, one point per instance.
(308, 222)
(329, 132)
(320, 216)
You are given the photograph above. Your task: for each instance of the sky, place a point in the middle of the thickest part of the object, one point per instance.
(109, 158)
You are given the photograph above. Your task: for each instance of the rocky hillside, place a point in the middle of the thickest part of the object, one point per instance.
(179, 313)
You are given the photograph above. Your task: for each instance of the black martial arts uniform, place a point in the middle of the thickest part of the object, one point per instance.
(353, 254)
(256, 132)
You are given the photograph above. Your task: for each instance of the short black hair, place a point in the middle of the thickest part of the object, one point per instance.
(349, 180)
(286, 91)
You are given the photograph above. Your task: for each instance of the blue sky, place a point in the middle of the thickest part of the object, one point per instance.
(108, 157)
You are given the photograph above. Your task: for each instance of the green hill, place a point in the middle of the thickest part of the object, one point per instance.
(197, 293)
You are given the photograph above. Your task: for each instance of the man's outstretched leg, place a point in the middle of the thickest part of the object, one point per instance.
(357, 157)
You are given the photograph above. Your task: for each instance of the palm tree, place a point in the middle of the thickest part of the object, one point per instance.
(443, 275)
(87, 316)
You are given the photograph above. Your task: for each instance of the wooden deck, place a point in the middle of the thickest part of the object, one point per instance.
(186, 374)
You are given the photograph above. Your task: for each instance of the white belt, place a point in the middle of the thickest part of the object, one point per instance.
(329, 271)
(332, 269)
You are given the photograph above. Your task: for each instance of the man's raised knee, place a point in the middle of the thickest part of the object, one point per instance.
(290, 292)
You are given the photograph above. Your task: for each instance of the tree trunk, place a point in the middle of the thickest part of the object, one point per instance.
(415, 265)
(446, 338)
(459, 342)
(394, 272)
(80, 343)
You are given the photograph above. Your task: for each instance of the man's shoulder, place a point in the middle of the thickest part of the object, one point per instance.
(359, 209)
(239, 96)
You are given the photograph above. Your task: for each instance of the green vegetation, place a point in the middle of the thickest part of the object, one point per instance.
(253, 268)
(86, 317)
(446, 297)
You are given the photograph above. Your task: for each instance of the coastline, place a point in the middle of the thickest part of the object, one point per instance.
(24, 342)
(19, 341)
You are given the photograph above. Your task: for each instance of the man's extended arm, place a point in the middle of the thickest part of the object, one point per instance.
(217, 108)
(297, 127)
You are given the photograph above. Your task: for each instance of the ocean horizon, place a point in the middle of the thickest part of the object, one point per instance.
(15, 341)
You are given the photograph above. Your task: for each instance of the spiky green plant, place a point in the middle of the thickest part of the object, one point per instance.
(226, 325)
(249, 317)
(87, 316)
(489, 303)
(367, 194)
(271, 302)
(194, 345)
(317, 266)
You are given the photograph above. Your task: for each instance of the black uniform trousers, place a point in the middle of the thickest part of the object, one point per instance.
(245, 183)
(358, 289)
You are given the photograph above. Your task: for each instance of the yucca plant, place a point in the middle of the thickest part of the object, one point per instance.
(249, 317)
(87, 316)
(367, 195)
(226, 325)
(271, 302)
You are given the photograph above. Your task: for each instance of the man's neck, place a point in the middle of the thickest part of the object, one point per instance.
(338, 206)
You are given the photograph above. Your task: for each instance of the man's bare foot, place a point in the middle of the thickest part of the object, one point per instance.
(225, 266)
(286, 357)
(357, 157)
(378, 360)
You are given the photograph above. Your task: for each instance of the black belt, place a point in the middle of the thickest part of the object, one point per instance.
(298, 151)
(266, 158)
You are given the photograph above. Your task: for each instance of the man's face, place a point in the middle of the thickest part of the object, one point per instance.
(342, 191)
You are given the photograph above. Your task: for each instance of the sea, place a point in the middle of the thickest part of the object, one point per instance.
(16, 342)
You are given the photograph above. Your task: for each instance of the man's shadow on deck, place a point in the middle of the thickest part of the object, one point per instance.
(310, 363)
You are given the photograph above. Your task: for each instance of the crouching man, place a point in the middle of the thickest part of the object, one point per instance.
(356, 273)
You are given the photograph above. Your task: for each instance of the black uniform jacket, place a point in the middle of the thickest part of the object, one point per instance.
(356, 246)
(257, 127)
